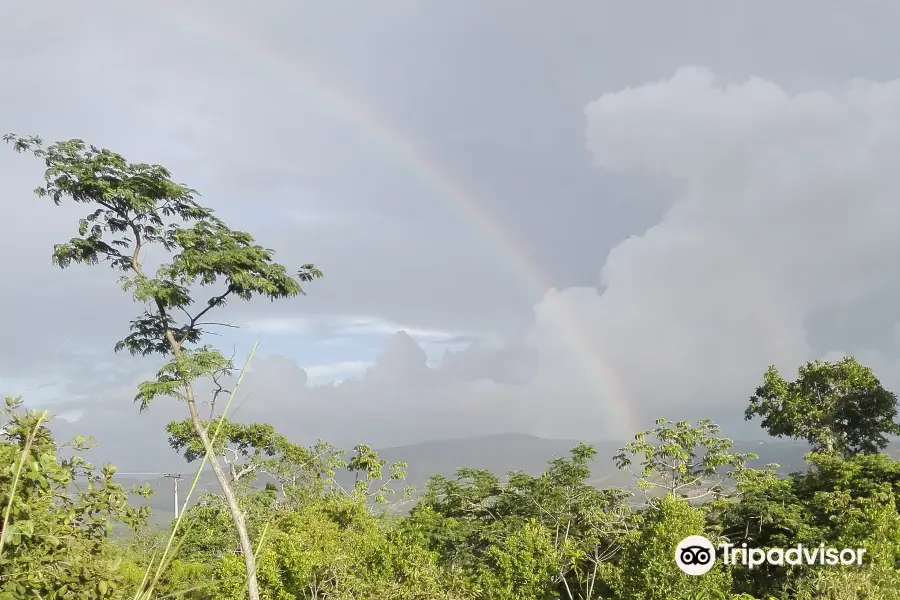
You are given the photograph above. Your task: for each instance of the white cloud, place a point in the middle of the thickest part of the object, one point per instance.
(355, 325)
(349, 326)
(787, 207)
(71, 416)
(281, 326)
(343, 369)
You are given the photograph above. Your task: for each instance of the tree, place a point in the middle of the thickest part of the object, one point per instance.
(368, 469)
(301, 473)
(686, 461)
(765, 512)
(336, 548)
(867, 520)
(245, 448)
(521, 566)
(134, 208)
(585, 523)
(467, 520)
(57, 513)
(648, 570)
(208, 531)
(844, 503)
(835, 406)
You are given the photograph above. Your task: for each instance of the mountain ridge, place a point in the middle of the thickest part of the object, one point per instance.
(497, 453)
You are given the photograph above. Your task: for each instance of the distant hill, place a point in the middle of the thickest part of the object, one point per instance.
(496, 453)
(502, 453)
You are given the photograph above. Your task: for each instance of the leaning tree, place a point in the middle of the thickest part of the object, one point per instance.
(135, 208)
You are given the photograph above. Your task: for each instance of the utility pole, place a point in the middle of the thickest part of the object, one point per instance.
(175, 477)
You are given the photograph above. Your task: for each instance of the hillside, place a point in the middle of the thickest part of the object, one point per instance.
(496, 453)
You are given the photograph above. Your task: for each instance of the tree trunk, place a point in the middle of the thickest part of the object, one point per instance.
(231, 500)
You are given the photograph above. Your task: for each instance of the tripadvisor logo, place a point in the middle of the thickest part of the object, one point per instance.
(696, 555)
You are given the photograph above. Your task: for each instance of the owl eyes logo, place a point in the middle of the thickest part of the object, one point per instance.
(695, 555)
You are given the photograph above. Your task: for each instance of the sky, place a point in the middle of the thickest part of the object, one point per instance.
(562, 220)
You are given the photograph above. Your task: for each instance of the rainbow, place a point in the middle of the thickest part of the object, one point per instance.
(304, 80)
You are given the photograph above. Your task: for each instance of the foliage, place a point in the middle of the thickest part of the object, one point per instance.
(474, 536)
(647, 569)
(183, 578)
(58, 518)
(869, 523)
(335, 548)
(471, 520)
(835, 406)
(837, 501)
(209, 532)
(245, 448)
(684, 459)
(368, 467)
(522, 565)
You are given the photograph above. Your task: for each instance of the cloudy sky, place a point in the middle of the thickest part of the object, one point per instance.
(559, 219)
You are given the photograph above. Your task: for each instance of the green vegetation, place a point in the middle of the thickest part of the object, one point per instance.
(282, 527)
